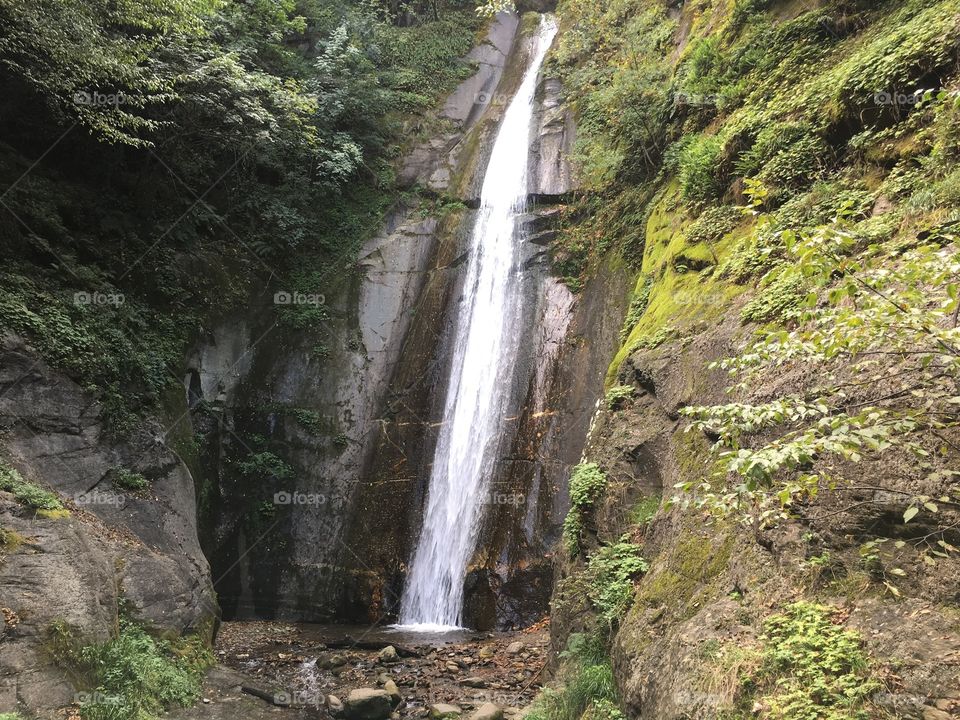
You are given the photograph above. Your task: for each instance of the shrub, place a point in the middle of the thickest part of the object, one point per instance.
(27, 493)
(128, 479)
(612, 569)
(264, 465)
(698, 166)
(813, 668)
(589, 689)
(587, 484)
(774, 302)
(136, 676)
(713, 224)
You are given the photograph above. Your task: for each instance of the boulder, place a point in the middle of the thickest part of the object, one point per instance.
(390, 687)
(487, 711)
(514, 648)
(388, 656)
(368, 704)
(443, 710)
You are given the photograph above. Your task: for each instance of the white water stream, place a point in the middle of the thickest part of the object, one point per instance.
(484, 355)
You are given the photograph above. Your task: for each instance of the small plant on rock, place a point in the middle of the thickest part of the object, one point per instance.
(587, 484)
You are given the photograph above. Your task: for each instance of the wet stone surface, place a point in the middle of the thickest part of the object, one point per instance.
(269, 669)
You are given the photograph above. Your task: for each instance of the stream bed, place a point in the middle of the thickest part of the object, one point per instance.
(267, 669)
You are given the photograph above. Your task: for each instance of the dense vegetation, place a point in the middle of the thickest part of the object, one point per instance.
(793, 166)
(133, 676)
(164, 163)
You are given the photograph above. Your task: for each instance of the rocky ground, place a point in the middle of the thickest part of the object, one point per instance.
(302, 671)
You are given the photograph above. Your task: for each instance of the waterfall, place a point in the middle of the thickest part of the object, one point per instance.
(484, 355)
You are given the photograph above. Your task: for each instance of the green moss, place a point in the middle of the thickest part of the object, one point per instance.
(685, 572)
(676, 295)
(643, 510)
(10, 540)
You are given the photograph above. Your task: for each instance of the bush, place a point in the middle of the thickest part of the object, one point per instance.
(587, 484)
(617, 395)
(136, 676)
(589, 689)
(777, 298)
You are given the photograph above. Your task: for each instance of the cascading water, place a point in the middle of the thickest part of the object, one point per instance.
(484, 355)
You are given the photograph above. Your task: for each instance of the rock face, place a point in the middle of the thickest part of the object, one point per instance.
(140, 546)
(551, 175)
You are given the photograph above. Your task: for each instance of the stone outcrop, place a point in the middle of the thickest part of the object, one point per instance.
(72, 570)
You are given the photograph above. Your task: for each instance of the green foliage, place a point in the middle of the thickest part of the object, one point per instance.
(698, 168)
(618, 395)
(216, 145)
(786, 156)
(780, 295)
(588, 688)
(26, 493)
(264, 465)
(884, 316)
(587, 483)
(612, 569)
(135, 676)
(126, 479)
(421, 64)
(642, 513)
(714, 223)
(622, 113)
(812, 668)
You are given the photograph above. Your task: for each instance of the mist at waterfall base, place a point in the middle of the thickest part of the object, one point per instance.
(484, 353)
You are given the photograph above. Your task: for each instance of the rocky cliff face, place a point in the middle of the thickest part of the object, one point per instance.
(356, 424)
(110, 544)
